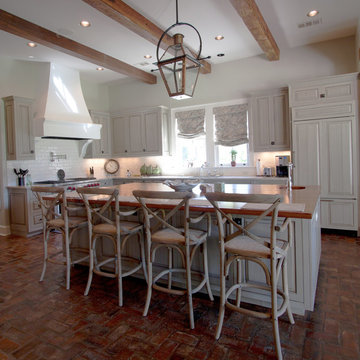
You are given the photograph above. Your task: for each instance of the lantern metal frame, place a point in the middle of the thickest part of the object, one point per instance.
(188, 61)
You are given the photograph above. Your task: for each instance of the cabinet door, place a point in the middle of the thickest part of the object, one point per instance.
(152, 125)
(338, 214)
(306, 153)
(137, 134)
(121, 135)
(101, 148)
(270, 114)
(337, 158)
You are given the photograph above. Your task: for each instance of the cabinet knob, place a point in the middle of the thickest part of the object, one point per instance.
(322, 96)
(31, 151)
(272, 143)
(144, 150)
(125, 150)
(102, 151)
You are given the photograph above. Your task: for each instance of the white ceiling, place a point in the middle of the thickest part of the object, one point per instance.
(337, 18)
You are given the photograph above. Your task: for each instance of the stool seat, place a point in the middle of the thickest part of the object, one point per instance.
(170, 236)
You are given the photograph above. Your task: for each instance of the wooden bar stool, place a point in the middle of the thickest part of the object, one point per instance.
(52, 219)
(162, 233)
(240, 243)
(104, 222)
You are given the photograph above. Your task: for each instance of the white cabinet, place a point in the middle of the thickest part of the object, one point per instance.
(270, 116)
(326, 90)
(325, 150)
(100, 148)
(141, 133)
(20, 142)
(25, 214)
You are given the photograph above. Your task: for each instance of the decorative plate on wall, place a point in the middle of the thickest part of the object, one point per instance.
(111, 166)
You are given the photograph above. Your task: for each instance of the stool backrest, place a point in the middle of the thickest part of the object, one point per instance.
(100, 203)
(50, 207)
(174, 201)
(223, 204)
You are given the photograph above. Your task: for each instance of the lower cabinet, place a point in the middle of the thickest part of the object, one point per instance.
(25, 214)
(141, 133)
(339, 214)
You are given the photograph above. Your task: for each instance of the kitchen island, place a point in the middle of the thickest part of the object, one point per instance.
(301, 204)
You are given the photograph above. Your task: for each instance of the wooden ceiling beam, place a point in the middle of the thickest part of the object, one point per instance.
(253, 19)
(125, 15)
(25, 29)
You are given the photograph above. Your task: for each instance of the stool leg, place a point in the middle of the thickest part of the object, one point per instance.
(286, 291)
(189, 286)
(206, 271)
(68, 260)
(274, 314)
(119, 270)
(142, 254)
(150, 276)
(45, 240)
(91, 266)
(170, 264)
(238, 280)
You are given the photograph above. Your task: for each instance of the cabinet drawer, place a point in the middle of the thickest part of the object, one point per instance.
(338, 214)
(323, 111)
(37, 219)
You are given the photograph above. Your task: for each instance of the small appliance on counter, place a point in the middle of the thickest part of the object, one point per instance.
(282, 165)
(268, 171)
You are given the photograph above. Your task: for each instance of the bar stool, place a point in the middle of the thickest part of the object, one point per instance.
(162, 233)
(243, 244)
(52, 219)
(104, 222)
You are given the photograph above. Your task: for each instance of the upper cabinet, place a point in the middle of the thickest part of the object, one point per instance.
(141, 133)
(20, 142)
(100, 148)
(270, 118)
(321, 91)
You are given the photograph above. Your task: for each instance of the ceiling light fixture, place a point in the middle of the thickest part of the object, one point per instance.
(31, 44)
(147, 56)
(85, 23)
(312, 13)
(219, 37)
(179, 66)
(99, 68)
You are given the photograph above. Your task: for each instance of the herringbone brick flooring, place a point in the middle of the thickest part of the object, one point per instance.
(45, 321)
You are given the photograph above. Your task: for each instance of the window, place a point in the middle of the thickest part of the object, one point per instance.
(208, 134)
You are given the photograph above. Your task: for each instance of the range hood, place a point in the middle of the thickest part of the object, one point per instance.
(61, 112)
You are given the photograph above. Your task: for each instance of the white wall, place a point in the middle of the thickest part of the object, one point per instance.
(237, 79)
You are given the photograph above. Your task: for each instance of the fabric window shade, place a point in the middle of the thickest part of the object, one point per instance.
(231, 125)
(190, 123)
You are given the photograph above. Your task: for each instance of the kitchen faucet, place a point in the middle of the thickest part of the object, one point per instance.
(290, 180)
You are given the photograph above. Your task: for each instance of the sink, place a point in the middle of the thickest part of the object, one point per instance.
(294, 187)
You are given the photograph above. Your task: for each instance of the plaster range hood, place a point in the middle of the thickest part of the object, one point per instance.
(60, 111)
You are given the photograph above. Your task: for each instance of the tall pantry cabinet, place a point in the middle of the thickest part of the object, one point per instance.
(325, 145)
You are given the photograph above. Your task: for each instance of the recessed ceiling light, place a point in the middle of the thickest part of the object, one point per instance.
(147, 56)
(31, 57)
(85, 23)
(99, 68)
(312, 13)
(31, 44)
(219, 37)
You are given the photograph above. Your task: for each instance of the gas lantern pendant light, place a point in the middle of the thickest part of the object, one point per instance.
(179, 66)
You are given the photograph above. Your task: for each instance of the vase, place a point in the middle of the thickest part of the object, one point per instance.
(233, 163)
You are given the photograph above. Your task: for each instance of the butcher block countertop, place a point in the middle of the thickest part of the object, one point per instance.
(300, 202)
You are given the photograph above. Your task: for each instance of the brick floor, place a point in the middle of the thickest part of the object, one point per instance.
(45, 321)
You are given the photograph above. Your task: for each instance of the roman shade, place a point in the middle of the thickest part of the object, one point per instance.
(190, 123)
(231, 125)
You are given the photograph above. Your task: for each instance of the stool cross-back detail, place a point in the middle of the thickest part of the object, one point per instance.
(240, 243)
(161, 232)
(104, 221)
(63, 222)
